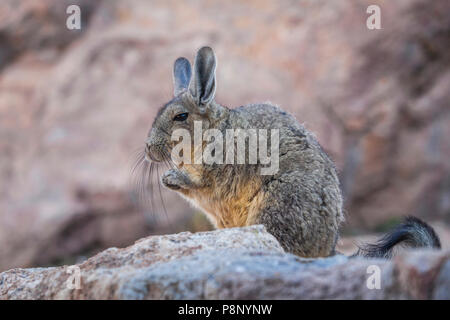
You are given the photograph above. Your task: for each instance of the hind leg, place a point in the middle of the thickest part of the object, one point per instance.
(302, 216)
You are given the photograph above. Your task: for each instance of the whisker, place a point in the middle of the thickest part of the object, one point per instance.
(137, 163)
(161, 197)
(168, 160)
(142, 175)
(149, 187)
(136, 170)
(142, 182)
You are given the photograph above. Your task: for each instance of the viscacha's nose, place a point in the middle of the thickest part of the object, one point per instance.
(151, 151)
(147, 149)
(148, 153)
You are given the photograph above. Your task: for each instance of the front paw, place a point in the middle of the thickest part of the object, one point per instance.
(172, 179)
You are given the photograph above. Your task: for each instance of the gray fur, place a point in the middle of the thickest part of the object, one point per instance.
(301, 205)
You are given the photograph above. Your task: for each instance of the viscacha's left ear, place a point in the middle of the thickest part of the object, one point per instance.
(203, 84)
(181, 75)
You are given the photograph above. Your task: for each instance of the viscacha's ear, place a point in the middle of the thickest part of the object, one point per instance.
(181, 75)
(203, 83)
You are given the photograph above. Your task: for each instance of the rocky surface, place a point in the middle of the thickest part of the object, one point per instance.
(74, 105)
(238, 263)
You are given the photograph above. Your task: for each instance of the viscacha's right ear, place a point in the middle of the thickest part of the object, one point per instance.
(203, 83)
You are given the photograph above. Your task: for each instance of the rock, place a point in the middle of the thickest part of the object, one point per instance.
(237, 263)
(418, 273)
(442, 287)
(31, 26)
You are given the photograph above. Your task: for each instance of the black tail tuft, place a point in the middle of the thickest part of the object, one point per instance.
(412, 232)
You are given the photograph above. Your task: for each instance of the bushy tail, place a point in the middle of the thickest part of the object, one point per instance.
(412, 232)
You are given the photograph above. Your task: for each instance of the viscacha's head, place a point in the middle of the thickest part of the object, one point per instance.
(193, 101)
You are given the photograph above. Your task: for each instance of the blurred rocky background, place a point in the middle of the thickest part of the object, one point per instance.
(75, 105)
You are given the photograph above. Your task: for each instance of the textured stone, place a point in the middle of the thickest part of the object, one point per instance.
(238, 263)
(442, 287)
(418, 272)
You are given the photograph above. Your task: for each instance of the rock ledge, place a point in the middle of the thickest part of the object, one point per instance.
(237, 263)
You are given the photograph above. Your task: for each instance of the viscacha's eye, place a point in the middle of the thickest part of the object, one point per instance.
(181, 117)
